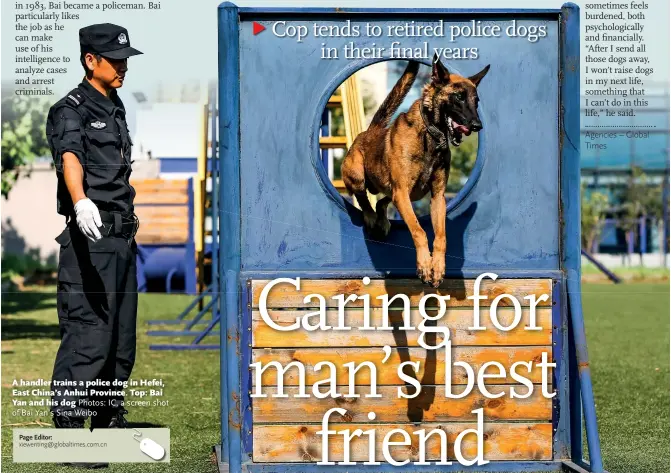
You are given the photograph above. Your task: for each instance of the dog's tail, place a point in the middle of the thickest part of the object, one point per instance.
(396, 96)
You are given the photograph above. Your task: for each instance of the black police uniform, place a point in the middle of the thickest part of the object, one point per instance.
(97, 282)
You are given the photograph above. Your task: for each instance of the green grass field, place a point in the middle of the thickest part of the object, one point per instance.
(627, 273)
(627, 329)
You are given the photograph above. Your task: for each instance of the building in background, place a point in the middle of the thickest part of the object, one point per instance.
(639, 140)
(165, 125)
(168, 128)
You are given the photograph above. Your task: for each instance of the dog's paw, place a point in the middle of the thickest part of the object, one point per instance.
(369, 220)
(377, 229)
(424, 267)
(437, 269)
(382, 227)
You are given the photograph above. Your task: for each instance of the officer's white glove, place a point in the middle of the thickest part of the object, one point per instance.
(88, 219)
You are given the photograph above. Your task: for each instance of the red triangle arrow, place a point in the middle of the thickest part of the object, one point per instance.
(258, 27)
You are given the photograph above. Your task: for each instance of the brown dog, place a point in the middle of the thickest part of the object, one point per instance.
(411, 157)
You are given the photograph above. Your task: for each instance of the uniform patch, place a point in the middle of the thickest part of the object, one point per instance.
(98, 125)
(75, 97)
(122, 39)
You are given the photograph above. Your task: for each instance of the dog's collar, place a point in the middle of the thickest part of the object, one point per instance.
(433, 130)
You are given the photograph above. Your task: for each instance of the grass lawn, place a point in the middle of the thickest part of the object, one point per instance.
(30, 339)
(627, 329)
(627, 273)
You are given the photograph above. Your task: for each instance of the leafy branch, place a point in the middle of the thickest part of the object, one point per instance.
(23, 136)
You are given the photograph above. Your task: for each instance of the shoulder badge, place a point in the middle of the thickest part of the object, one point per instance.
(75, 97)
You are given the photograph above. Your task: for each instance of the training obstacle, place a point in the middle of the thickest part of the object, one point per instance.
(182, 326)
(609, 274)
(518, 216)
(165, 241)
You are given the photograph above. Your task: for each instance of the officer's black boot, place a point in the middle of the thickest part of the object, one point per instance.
(110, 419)
(118, 420)
(67, 422)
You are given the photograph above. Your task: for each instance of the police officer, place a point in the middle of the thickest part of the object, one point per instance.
(97, 284)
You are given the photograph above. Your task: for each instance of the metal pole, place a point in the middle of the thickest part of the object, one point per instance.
(229, 224)
(217, 292)
(570, 195)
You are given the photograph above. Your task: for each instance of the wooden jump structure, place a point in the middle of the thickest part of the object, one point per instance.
(517, 217)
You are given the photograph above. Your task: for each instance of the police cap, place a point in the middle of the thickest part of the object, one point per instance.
(108, 40)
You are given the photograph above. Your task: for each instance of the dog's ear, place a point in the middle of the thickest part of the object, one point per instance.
(478, 77)
(439, 73)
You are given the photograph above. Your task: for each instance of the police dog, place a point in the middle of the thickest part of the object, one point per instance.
(408, 158)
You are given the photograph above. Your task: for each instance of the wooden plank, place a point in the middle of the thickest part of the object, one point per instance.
(300, 443)
(432, 366)
(161, 191)
(165, 196)
(155, 185)
(167, 221)
(155, 237)
(164, 224)
(430, 405)
(161, 211)
(167, 231)
(287, 296)
(458, 321)
(332, 142)
(353, 113)
(167, 224)
(339, 184)
(335, 100)
(159, 240)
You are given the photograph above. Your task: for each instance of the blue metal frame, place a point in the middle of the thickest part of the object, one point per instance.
(571, 378)
(467, 274)
(570, 216)
(560, 409)
(325, 132)
(213, 291)
(393, 11)
(246, 360)
(507, 466)
(190, 282)
(181, 318)
(229, 245)
(609, 274)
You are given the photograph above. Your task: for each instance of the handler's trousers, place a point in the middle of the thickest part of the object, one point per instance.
(97, 313)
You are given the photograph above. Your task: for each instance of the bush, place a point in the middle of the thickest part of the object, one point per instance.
(26, 264)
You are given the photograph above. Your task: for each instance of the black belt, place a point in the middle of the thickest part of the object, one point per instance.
(119, 224)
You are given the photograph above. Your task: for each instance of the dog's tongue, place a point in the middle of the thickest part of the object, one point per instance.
(462, 129)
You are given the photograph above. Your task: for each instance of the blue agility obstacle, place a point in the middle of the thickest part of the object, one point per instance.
(517, 216)
(609, 274)
(193, 327)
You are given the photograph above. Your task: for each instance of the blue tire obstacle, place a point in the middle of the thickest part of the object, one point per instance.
(518, 216)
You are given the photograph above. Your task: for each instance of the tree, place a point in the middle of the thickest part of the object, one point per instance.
(592, 219)
(640, 198)
(23, 136)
